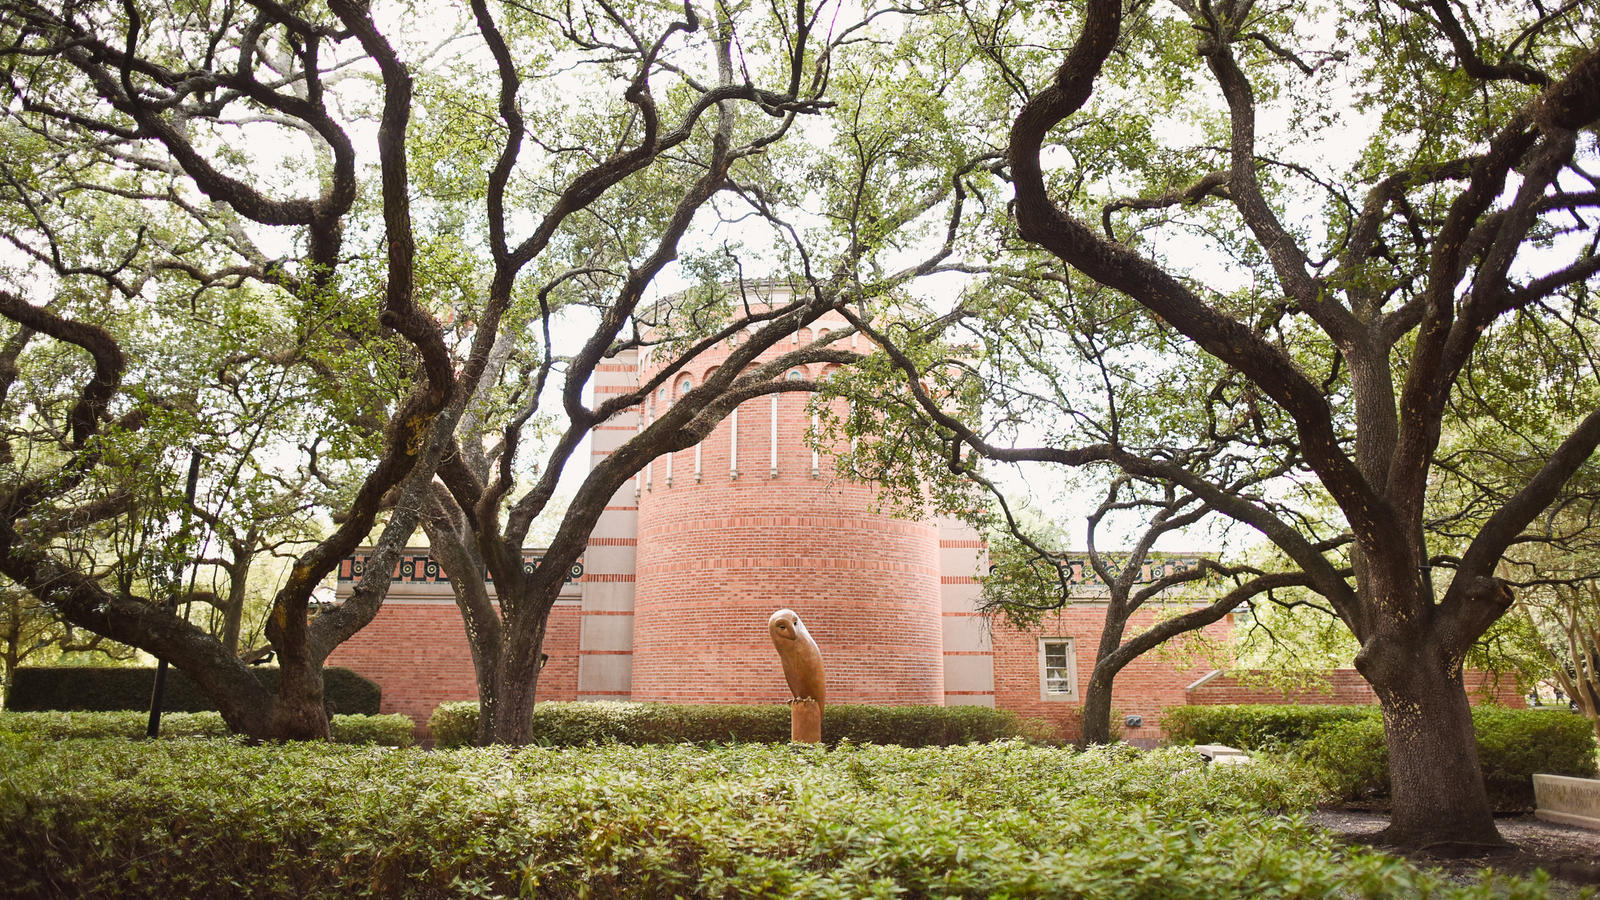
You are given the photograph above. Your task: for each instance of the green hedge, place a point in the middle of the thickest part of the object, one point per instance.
(1351, 759)
(221, 819)
(1345, 744)
(384, 730)
(390, 730)
(99, 689)
(1255, 727)
(558, 724)
(1513, 744)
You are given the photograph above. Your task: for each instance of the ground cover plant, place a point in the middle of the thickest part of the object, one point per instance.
(559, 724)
(221, 818)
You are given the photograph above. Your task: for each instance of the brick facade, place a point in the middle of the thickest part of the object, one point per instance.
(416, 648)
(691, 557)
(753, 520)
(1144, 688)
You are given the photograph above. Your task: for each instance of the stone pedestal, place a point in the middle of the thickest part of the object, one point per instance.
(805, 721)
(1570, 801)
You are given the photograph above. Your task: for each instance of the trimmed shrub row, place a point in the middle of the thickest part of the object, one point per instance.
(101, 688)
(1255, 726)
(557, 724)
(1345, 744)
(221, 819)
(1513, 744)
(390, 730)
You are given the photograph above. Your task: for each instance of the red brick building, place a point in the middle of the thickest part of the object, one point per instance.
(690, 559)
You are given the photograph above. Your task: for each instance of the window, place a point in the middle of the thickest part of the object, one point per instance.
(684, 385)
(796, 374)
(1058, 669)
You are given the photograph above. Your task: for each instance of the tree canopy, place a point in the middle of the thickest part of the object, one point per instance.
(1326, 227)
(381, 260)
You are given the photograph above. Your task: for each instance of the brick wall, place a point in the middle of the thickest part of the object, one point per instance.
(1145, 687)
(417, 651)
(753, 520)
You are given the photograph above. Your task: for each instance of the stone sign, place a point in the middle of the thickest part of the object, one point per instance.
(1222, 754)
(1570, 801)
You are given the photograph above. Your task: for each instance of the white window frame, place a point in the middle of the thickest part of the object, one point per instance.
(1071, 693)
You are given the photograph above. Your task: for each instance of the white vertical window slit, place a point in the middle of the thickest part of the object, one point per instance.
(816, 457)
(638, 477)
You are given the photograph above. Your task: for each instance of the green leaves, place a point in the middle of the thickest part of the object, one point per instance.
(734, 820)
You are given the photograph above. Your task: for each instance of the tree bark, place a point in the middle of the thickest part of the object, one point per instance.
(518, 684)
(1436, 785)
(299, 710)
(1097, 708)
(238, 590)
(1097, 696)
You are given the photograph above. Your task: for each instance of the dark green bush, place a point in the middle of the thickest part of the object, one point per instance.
(1345, 744)
(221, 819)
(1350, 758)
(558, 724)
(454, 724)
(99, 688)
(385, 730)
(391, 730)
(923, 726)
(1513, 744)
(1255, 727)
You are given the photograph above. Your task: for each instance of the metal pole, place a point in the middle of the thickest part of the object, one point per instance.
(153, 728)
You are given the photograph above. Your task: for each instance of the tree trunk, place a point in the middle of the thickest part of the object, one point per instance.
(1097, 709)
(299, 712)
(1435, 782)
(13, 647)
(452, 544)
(519, 681)
(488, 655)
(233, 612)
(1097, 696)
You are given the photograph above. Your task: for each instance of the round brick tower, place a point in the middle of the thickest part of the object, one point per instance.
(752, 520)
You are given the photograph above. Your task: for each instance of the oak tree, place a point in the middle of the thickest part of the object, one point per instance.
(1462, 214)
